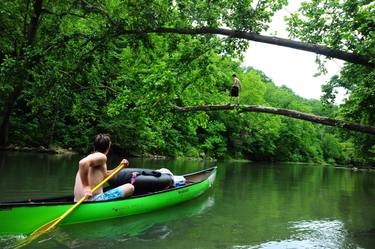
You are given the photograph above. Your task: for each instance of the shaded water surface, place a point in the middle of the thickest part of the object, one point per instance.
(250, 206)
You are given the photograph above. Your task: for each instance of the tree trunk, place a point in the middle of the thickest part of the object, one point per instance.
(284, 112)
(11, 100)
(315, 48)
(8, 108)
(34, 22)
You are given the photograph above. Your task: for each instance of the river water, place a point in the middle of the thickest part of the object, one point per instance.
(251, 206)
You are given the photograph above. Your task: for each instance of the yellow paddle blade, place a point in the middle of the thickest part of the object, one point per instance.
(50, 225)
(45, 228)
(41, 230)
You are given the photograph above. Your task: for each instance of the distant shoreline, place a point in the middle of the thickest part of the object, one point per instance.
(69, 151)
(39, 149)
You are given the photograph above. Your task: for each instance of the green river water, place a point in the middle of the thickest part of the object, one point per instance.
(251, 206)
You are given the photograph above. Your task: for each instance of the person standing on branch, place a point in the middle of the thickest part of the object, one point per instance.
(93, 170)
(235, 91)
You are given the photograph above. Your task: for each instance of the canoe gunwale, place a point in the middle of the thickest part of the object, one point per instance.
(48, 202)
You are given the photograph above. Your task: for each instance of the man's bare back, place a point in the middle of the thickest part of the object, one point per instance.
(94, 165)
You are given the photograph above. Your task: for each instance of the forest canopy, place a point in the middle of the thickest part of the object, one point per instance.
(71, 69)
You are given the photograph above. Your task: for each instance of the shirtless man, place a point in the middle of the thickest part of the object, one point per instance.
(235, 91)
(93, 170)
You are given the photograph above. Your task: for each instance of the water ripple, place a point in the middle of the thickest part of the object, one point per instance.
(311, 234)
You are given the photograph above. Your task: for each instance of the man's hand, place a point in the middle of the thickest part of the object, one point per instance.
(124, 161)
(87, 191)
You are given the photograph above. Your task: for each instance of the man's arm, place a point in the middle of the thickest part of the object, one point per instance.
(123, 161)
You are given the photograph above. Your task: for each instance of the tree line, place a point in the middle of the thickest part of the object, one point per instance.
(71, 69)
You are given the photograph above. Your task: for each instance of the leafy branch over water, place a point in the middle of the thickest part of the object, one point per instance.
(71, 69)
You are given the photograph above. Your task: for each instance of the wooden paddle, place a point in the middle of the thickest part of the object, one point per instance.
(50, 225)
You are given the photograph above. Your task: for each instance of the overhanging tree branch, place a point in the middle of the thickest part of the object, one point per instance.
(315, 48)
(284, 112)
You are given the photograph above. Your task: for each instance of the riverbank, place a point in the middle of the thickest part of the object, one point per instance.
(39, 149)
(69, 151)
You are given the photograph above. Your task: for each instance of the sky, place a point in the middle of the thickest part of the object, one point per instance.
(290, 67)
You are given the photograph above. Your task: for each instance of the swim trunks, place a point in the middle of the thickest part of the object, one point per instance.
(234, 91)
(109, 195)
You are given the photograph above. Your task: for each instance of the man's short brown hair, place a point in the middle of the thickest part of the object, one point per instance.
(102, 142)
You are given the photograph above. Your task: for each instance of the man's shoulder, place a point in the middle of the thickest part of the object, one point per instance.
(95, 158)
(98, 155)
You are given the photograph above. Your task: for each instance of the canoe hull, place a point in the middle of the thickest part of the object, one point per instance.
(24, 219)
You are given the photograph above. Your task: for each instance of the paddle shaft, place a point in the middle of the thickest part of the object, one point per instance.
(56, 221)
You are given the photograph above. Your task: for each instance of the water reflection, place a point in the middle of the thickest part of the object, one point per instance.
(311, 234)
(144, 225)
(322, 233)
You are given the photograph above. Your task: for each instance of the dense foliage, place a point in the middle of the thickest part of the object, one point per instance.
(347, 25)
(68, 72)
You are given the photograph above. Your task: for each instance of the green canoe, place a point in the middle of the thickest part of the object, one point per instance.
(23, 217)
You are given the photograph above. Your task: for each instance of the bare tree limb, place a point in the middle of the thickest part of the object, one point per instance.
(284, 112)
(315, 48)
